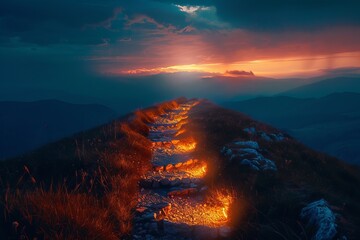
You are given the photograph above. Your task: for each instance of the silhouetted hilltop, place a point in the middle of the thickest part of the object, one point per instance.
(25, 126)
(325, 87)
(267, 184)
(329, 124)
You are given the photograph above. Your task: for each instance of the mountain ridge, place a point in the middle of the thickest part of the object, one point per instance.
(322, 122)
(40, 122)
(325, 87)
(273, 180)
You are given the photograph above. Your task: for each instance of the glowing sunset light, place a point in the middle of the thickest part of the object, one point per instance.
(173, 69)
(277, 67)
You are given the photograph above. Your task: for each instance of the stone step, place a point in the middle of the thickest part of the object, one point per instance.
(183, 192)
(186, 165)
(166, 183)
(175, 181)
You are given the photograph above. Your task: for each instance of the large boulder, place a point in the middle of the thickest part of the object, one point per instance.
(317, 215)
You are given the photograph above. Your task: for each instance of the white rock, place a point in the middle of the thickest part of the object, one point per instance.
(277, 137)
(265, 137)
(249, 163)
(268, 165)
(228, 152)
(250, 130)
(318, 214)
(247, 144)
(249, 151)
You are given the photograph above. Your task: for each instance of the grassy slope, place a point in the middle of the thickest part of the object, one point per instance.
(269, 204)
(329, 124)
(83, 187)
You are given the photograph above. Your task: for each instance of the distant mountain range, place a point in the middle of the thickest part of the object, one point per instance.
(325, 87)
(330, 124)
(28, 125)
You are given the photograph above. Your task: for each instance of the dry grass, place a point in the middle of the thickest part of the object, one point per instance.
(270, 203)
(96, 178)
(96, 175)
(58, 213)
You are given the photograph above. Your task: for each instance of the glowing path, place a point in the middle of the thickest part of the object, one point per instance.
(174, 202)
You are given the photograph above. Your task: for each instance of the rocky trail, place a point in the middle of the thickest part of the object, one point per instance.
(184, 170)
(174, 202)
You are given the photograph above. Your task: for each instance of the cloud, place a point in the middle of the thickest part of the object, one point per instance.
(163, 13)
(188, 2)
(69, 13)
(191, 9)
(85, 22)
(240, 73)
(116, 36)
(57, 22)
(267, 15)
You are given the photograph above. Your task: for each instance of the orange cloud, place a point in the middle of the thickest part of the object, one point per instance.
(266, 54)
(282, 67)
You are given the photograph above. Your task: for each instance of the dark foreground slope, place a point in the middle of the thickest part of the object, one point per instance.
(329, 124)
(270, 202)
(82, 187)
(86, 187)
(25, 126)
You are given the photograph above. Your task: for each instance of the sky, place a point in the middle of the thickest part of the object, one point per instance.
(87, 47)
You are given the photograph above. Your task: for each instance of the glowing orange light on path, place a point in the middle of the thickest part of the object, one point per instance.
(225, 213)
(184, 203)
